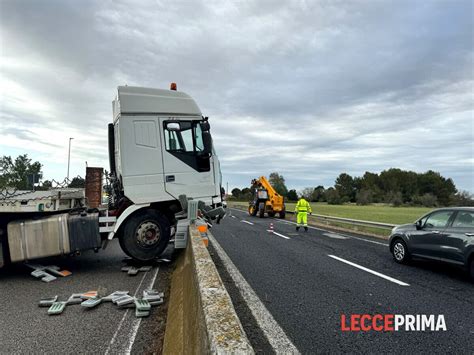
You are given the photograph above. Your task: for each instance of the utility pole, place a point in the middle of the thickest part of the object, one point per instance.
(227, 190)
(69, 159)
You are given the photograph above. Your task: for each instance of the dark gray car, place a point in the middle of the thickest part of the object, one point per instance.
(445, 234)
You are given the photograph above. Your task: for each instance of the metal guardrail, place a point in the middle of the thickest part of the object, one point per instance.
(356, 222)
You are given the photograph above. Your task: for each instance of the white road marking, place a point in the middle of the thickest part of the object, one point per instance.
(370, 271)
(272, 330)
(233, 216)
(280, 235)
(335, 236)
(136, 323)
(244, 221)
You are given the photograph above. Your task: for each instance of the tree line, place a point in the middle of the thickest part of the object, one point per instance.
(393, 186)
(22, 173)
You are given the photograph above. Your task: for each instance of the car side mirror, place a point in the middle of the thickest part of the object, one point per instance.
(418, 225)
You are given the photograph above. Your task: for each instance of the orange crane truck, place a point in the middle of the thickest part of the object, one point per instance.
(266, 199)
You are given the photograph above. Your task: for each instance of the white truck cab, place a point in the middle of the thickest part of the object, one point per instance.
(160, 147)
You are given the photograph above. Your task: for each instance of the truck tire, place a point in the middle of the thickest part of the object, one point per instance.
(282, 214)
(261, 209)
(145, 235)
(252, 210)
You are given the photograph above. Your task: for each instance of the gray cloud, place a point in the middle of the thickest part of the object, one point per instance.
(309, 89)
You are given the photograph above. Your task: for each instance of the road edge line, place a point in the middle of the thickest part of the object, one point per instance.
(275, 335)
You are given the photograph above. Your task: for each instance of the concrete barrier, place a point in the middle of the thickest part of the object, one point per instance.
(201, 318)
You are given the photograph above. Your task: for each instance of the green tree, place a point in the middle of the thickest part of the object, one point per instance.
(292, 195)
(344, 185)
(236, 192)
(278, 183)
(77, 182)
(333, 197)
(247, 194)
(318, 194)
(14, 174)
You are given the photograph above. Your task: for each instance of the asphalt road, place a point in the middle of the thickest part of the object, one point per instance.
(307, 290)
(27, 328)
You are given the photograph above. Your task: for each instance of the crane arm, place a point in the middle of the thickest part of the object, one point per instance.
(267, 186)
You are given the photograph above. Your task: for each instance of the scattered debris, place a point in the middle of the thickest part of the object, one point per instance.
(56, 308)
(132, 270)
(91, 302)
(47, 301)
(91, 299)
(44, 272)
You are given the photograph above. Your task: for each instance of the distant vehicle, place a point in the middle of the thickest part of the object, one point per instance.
(266, 199)
(445, 234)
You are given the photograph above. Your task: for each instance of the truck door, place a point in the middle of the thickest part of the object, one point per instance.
(187, 165)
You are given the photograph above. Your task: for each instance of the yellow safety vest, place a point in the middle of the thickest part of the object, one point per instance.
(303, 206)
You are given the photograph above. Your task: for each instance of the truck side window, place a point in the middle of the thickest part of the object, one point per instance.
(185, 142)
(188, 139)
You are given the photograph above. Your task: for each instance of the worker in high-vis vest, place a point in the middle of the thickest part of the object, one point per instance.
(302, 209)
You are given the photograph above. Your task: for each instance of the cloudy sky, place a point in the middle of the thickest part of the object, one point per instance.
(306, 88)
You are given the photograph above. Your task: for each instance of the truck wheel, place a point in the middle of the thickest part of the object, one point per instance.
(145, 235)
(252, 210)
(282, 214)
(261, 209)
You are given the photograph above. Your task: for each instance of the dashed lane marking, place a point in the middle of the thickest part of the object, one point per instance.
(401, 283)
(244, 221)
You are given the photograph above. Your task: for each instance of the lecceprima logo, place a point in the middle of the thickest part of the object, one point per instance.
(392, 322)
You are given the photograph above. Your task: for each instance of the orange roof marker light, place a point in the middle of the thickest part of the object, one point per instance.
(173, 86)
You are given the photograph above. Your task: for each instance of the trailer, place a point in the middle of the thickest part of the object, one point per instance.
(161, 156)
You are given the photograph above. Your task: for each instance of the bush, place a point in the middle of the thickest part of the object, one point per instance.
(394, 198)
(364, 197)
(427, 200)
(332, 197)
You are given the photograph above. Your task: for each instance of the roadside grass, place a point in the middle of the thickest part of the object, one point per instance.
(375, 213)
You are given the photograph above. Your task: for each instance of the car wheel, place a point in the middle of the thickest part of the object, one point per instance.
(400, 252)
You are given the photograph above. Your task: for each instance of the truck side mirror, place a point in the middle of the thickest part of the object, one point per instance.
(205, 126)
(207, 141)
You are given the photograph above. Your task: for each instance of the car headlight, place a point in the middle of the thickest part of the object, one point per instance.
(394, 229)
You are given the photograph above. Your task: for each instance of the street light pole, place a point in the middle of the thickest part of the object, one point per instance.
(69, 158)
